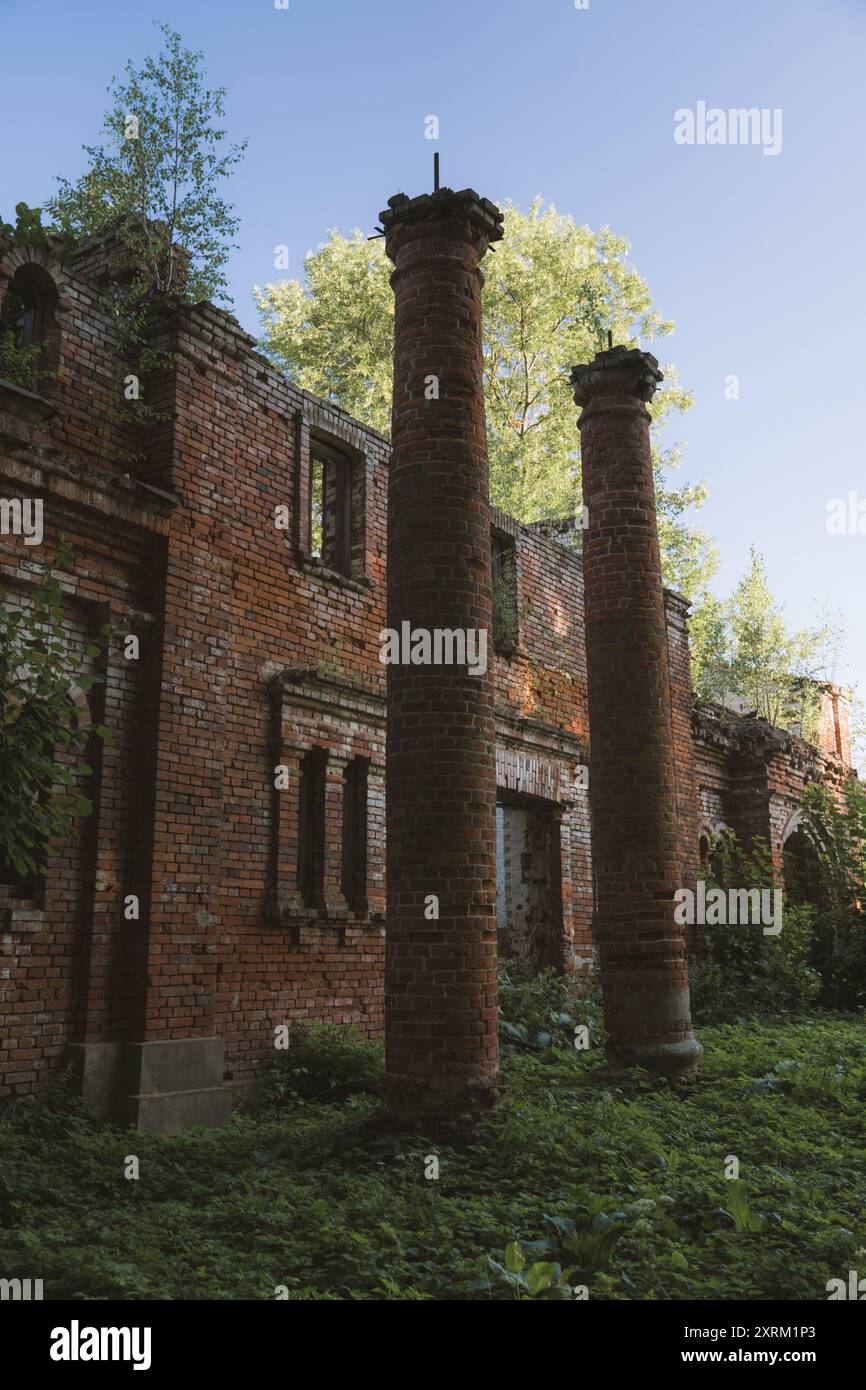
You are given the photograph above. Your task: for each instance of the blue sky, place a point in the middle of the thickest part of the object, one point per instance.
(758, 259)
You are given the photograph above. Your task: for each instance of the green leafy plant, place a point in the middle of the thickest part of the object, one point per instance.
(306, 1197)
(743, 648)
(28, 229)
(837, 832)
(541, 1009)
(325, 1061)
(738, 970)
(18, 364)
(543, 1279)
(587, 1240)
(738, 1207)
(42, 675)
(504, 614)
(157, 177)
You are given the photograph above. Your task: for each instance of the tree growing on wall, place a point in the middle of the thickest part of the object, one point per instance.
(155, 183)
(552, 291)
(157, 177)
(748, 653)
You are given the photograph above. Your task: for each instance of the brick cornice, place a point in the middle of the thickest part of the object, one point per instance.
(617, 379)
(482, 218)
(80, 484)
(319, 689)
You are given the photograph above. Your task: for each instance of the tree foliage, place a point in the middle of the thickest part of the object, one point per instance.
(552, 291)
(157, 176)
(155, 185)
(744, 652)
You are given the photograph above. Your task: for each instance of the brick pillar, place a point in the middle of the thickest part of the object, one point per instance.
(440, 982)
(632, 783)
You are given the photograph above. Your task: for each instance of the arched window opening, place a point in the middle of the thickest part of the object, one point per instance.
(802, 868)
(720, 851)
(28, 307)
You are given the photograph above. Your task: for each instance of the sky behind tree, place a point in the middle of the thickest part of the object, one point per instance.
(757, 256)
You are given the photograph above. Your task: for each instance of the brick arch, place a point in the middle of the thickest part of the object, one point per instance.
(43, 267)
(705, 837)
(797, 822)
(794, 822)
(46, 275)
(800, 852)
(41, 261)
(711, 831)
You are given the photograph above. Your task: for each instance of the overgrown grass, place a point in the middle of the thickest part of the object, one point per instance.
(299, 1194)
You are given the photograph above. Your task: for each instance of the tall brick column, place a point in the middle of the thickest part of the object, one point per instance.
(632, 783)
(440, 976)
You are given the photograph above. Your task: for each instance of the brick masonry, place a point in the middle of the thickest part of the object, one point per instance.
(441, 1017)
(636, 800)
(253, 654)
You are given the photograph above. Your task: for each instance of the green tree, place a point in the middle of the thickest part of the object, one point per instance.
(710, 649)
(552, 291)
(155, 185)
(157, 177)
(40, 677)
(744, 650)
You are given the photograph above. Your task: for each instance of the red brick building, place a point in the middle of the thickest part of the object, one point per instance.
(231, 876)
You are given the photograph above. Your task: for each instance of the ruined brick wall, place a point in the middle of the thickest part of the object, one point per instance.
(69, 964)
(750, 776)
(79, 370)
(267, 656)
(542, 721)
(253, 653)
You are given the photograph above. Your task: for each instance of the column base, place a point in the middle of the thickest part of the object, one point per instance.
(649, 1025)
(442, 1111)
(665, 1058)
(161, 1086)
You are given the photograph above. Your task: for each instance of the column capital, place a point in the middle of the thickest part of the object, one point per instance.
(619, 374)
(476, 218)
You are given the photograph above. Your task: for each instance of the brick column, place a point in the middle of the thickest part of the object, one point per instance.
(632, 783)
(440, 984)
